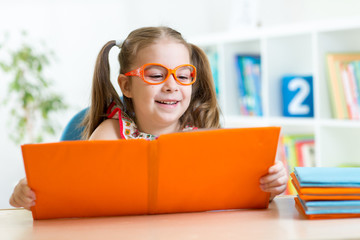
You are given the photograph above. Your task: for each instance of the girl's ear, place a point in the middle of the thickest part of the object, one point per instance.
(125, 85)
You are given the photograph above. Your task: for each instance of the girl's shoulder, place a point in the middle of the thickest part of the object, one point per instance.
(107, 130)
(126, 125)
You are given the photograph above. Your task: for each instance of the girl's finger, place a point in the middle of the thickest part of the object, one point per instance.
(272, 176)
(13, 201)
(276, 167)
(281, 181)
(276, 190)
(26, 191)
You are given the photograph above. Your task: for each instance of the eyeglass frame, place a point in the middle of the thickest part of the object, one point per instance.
(139, 72)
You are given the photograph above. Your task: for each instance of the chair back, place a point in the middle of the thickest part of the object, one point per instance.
(73, 130)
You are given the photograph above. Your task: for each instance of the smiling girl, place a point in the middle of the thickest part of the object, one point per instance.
(167, 87)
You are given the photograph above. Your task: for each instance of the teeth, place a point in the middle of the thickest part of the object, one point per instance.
(168, 102)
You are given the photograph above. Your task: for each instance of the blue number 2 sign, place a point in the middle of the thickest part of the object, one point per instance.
(297, 92)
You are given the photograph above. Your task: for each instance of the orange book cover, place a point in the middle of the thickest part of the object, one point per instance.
(178, 172)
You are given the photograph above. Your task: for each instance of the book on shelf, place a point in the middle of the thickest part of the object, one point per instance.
(213, 57)
(296, 150)
(325, 192)
(178, 172)
(305, 152)
(248, 72)
(344, 84)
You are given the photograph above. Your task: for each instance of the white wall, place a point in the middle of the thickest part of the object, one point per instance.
(76, 30)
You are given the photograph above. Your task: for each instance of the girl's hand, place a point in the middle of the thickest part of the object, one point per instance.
(275, 181)
(22, 196)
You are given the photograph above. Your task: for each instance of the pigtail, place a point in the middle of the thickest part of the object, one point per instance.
(203, 111)
(103, 92)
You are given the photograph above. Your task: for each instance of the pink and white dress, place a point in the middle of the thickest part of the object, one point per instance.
(128, 128)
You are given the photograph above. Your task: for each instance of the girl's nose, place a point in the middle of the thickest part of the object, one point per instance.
(170, 85)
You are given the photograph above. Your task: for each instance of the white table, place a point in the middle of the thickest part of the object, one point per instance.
(280, 221)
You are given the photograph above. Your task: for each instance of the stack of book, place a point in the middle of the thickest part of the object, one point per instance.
(327, 192)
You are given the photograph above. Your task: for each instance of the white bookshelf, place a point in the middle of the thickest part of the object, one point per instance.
(295, 49)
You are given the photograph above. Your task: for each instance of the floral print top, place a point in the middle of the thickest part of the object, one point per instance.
(128, 128)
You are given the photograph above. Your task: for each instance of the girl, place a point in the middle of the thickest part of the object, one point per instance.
(167, 87)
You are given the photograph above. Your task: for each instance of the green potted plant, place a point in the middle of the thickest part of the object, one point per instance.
(30, 98)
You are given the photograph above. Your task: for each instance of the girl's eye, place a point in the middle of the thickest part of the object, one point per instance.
(155, 73)
(156, 77)
(184, 74)
(184, 78)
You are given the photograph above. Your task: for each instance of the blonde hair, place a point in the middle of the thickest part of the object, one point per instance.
(203, 111)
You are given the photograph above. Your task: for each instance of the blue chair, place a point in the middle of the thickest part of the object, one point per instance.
(73, 130)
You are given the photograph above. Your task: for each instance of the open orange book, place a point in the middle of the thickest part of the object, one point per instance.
(178, 172)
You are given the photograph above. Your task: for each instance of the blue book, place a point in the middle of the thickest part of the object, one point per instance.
(330, 207)
(328, 176)
(213, 60)
(255, 77)
(249, 85)
(241, 85)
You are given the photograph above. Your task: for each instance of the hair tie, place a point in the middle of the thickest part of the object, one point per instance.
(118, 43)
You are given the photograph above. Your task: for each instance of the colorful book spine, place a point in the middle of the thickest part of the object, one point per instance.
(248, 69)
(356, 69)
(335, 88)
(354, 90)
(347, 90)
(213, 57)
(296, 150)
(256, 83)
(241, 86)
(344, 84)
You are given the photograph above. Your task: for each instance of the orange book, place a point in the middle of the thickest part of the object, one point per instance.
(178, 172)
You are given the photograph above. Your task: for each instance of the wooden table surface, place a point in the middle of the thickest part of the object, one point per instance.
(280, 221)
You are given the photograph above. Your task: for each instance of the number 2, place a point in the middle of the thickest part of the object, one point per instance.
(296, 106)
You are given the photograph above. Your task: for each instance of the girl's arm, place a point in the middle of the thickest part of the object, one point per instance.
(107, 130)
(275, 181)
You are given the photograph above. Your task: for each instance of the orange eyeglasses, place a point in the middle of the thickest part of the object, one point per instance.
(155, 73)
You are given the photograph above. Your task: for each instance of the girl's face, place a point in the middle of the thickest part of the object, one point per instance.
(158, 108)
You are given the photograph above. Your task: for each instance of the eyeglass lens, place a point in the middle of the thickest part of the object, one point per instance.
(157, 74)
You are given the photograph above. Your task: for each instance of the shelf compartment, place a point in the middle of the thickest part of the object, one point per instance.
(341, 41)
(231, 91)
(339, 146)
(290, 55)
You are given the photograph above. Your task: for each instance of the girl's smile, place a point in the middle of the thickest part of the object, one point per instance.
(167, 103)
